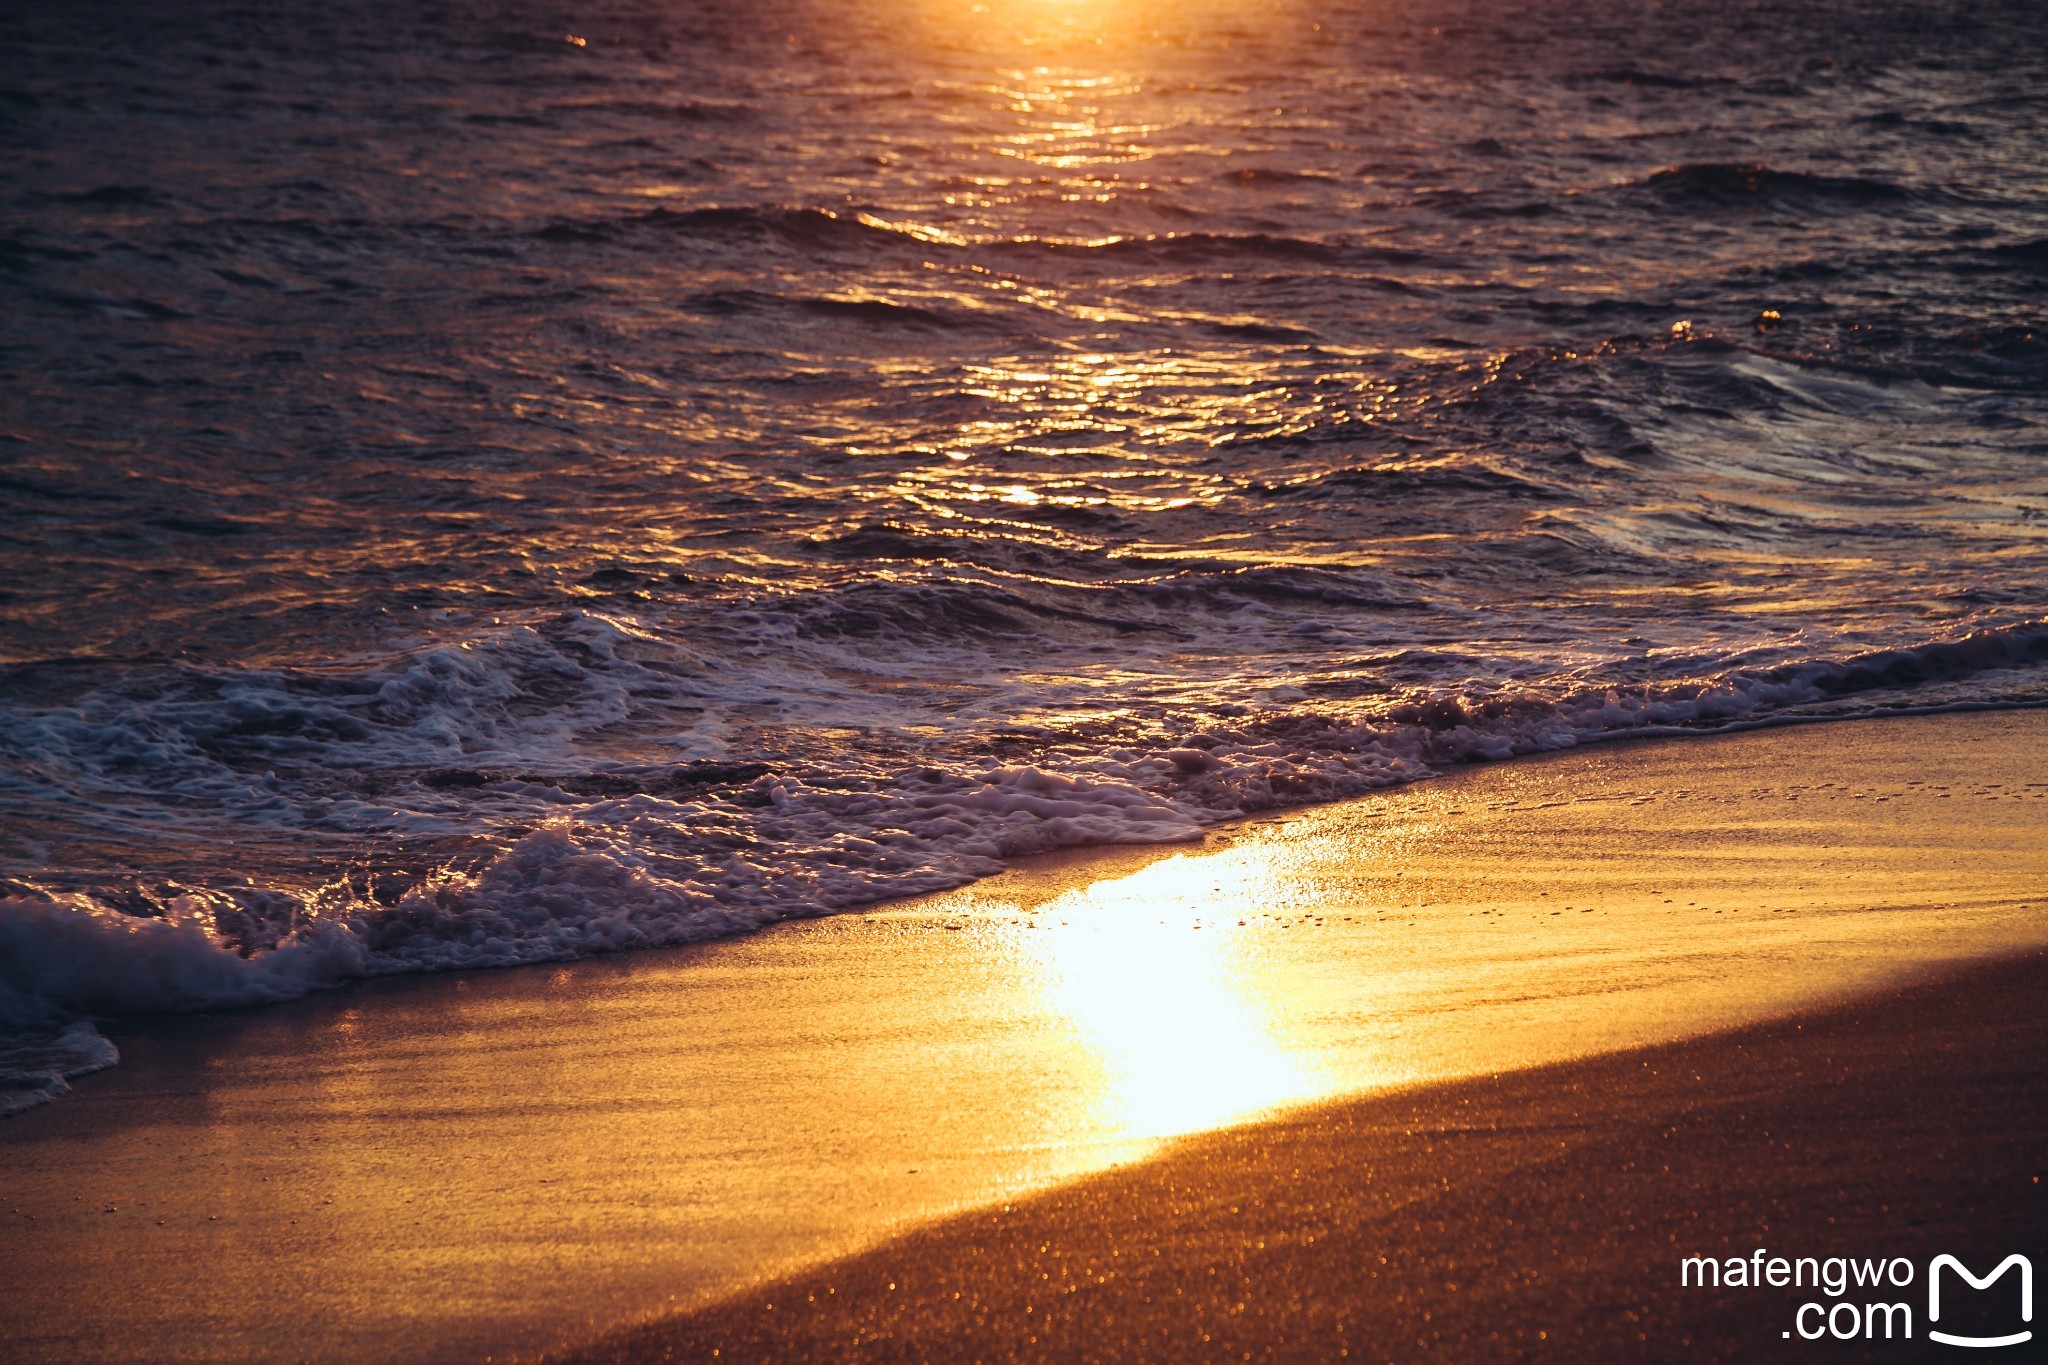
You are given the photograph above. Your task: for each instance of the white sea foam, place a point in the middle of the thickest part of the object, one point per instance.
(633, 872)
(681, 862)
(37, 1066)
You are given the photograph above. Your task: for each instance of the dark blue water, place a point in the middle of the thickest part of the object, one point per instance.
(495, 483)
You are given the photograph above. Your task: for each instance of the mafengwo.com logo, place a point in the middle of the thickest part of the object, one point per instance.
(1873, 1298)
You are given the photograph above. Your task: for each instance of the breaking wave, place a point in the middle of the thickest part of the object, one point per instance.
(625, 857)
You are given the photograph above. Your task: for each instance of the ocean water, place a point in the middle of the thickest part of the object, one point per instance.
(491, 483)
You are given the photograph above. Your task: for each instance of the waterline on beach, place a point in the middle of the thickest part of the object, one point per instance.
(529, 1156)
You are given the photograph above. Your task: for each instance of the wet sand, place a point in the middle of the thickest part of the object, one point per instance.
(1542, 1213)
(467, 1166)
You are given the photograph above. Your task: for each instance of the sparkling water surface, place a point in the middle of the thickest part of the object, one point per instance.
(490, 483)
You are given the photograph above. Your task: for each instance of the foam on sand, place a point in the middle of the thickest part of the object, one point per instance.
(639, 856)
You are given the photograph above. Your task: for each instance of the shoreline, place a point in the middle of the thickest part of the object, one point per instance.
(1101, 859)
(462, 1165)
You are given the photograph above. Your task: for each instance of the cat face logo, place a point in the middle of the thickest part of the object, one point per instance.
(2026, 1268)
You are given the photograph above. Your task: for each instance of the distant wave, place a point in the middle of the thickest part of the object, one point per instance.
(822, 229)
(2030, 255)
(1275, 175)
(116, 196)
(1731, 185)
(868, 312)
(800, 227)
(1193, 248)
(681, 111)
(1399, 481)
(1656, 80)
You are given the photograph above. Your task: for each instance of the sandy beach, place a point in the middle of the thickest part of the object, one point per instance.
(1542, 1213)
(504, 1163)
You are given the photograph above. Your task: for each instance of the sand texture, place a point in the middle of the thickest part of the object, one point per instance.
(1539, 1213)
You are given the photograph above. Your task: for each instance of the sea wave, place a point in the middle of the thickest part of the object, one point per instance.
(1721, 184)
(622, 857)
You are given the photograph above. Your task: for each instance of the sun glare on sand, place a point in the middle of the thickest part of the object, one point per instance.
(1175, 1013)
(1536, 915)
